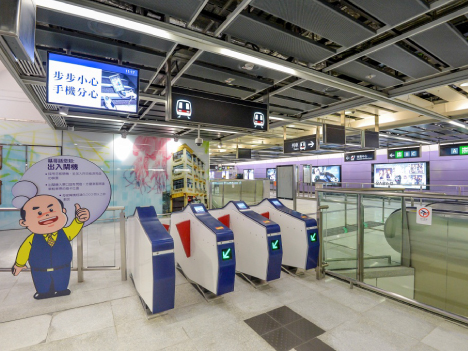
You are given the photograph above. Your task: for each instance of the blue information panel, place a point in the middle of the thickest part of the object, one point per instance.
(73, 81)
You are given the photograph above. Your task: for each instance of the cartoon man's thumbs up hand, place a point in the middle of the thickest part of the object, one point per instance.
(82, 214)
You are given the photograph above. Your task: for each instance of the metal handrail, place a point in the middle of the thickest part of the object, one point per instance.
(80, 259)
(391, 194)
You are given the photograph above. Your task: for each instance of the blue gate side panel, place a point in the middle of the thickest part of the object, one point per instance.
(314, 249)
(227, 270)
(163, 282)
(275, 258)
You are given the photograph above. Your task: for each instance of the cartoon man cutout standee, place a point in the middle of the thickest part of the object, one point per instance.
(48, 248)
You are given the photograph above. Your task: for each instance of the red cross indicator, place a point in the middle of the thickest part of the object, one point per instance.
(424, 212)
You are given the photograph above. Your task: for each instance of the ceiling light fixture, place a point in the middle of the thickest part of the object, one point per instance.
(104, 18)
(405, 139)
(459, 124)
(464, 84)
(255, 60)
(277, 118)
(220, 145)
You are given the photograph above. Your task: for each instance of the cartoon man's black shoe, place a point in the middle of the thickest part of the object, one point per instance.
(39, 296)
(63, 293)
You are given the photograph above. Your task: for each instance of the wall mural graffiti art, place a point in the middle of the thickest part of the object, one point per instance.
(149, 172)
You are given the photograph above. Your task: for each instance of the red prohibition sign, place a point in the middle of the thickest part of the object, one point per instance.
(424, 212)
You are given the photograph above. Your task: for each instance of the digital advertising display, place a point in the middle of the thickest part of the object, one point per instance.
(411, 175)
(73, 81)
(271, 174)
(249, 174)
(326, 174)
(197, 107)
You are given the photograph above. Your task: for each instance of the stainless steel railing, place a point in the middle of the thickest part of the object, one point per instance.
(80, 268)
(360, 254)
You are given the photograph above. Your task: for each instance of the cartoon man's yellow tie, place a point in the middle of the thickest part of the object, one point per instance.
(50, 240)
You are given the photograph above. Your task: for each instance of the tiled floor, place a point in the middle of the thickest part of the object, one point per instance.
(104, 313)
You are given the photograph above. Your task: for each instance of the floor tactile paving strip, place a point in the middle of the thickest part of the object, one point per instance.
(285, 329)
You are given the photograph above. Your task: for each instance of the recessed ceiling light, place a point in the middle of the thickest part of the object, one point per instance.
(370, 76)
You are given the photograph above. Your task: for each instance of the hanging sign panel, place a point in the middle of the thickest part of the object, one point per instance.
(302, 144)
(360, 156)
(197, 107)
(453, 150)
(413, 152)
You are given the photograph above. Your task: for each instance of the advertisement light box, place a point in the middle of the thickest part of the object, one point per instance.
(197, 107)
(326, 174)
(73, 81)
(410, 175)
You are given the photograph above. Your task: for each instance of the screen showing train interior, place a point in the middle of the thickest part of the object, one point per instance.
(410, 175)
(276, 203)
(271, 174)
(326, 174)
(241, 205)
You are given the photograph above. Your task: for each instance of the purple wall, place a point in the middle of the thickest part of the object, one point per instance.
(442, 170)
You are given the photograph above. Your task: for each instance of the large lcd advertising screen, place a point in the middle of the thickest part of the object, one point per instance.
(72, 81)
(326, 174)
(271, 174)
(411, 175)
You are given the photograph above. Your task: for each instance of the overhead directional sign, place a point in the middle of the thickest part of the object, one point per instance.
(275, 245)
(197, 107)
(360, 156)
(226, 254)
(303, 144)
(395, 154)
(453, 150)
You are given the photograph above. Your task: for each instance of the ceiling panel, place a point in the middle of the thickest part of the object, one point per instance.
(102, 29)
(447, 93)
(362, 71)
(302, 94)
(446, 43)
(402, 60)
(392, 12)
(260, 32)
(231, 63)
(281, 109)
(97, 47)
(225, 76)
(192, 83)
(326, 89)
(319, 18)
(182, 9)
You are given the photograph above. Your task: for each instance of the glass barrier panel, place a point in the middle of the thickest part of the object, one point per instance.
(232, 191)
(249, 192)
(216, 194)
(340, 232)
(259, 190)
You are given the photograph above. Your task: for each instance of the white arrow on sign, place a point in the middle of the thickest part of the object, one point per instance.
(311, 144)
(392, 154)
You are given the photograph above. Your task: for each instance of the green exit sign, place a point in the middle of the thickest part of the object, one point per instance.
(399, 154)
(275, 245)
(226, 254)
(313, 237)
(463, 150)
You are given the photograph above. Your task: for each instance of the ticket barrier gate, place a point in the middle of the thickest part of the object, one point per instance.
(257, 242)
(299, 234)
(204, 250)
(151, 263)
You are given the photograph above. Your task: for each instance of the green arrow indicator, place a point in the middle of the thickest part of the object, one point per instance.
(313, 237)
(275, 244)
(227, 254)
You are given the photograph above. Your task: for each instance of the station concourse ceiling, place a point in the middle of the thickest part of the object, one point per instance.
(313, 61)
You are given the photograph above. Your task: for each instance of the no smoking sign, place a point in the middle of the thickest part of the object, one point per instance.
(424, 215)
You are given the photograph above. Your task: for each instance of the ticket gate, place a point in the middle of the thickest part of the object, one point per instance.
(150, 257)
(257, 241)
(204, 249)
(299, 233)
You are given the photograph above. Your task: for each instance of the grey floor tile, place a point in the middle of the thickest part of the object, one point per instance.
(282, 339)
(262, 324)
(284, 315)
(304, 329)
(314, 345)
(448, 337)
(24, 332)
